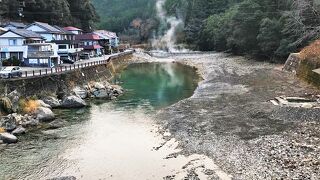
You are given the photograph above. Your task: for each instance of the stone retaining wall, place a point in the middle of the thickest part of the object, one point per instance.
(292, 63)
(65, 81)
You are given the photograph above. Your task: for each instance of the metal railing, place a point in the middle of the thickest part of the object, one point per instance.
(67, 68)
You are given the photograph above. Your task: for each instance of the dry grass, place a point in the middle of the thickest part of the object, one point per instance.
(2, 130)
(28, 106)
(311, 52)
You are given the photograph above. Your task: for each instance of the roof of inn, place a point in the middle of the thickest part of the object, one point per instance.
(25, 33)
(46, 27)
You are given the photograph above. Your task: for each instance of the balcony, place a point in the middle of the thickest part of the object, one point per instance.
(71, 51)
(40, 54)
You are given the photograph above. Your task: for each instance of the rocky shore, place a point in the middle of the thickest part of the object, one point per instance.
(20, 114)
(230, 119)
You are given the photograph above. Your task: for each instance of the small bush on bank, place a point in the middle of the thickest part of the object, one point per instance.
(28, 106)
(13, 61)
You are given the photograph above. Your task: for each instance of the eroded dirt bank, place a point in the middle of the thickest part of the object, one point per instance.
(230, 120)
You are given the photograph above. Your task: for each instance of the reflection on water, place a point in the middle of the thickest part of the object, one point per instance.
(111, 139)
(160, 84)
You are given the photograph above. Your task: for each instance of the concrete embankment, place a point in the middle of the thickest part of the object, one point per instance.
(53, 83)
(306, 69)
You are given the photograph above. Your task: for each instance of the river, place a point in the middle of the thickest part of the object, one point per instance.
(112, 139)
(169, 126)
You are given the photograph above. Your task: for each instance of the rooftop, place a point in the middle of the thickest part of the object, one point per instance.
(106, 33)
(46, 27)
(63, 30)
(16, 24)
(87, 37)
(25, 33)
(71, 28)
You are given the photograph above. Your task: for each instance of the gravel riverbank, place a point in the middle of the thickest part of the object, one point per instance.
(230, 120)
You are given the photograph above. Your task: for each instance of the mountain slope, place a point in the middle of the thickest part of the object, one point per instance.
(117, 15)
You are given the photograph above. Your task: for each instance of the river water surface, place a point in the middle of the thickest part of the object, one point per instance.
(111, 139)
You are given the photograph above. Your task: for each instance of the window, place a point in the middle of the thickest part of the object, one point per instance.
(62, 46)
(14, 55)
(20, 55)
(12, 42)
(3, 55)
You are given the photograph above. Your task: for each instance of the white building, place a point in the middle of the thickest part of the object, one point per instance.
(14, 43)
(42, 54)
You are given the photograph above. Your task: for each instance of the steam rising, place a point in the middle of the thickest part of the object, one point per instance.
(168, 40)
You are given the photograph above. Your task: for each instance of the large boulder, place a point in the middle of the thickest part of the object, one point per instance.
(73, 102)
(98, 85)
(8, 138)
(44, 114)
(43, 104)
(52, 101)
(80, 92)
(19, 130)
(101, 93)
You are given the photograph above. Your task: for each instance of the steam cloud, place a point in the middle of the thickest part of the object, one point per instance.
(168, 40)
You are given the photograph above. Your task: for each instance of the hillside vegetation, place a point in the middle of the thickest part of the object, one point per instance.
(80, 13)
(266, 28)
(135, 18)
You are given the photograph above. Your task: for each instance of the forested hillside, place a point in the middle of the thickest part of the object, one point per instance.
(266, 28)
(128, 17)
(80, 13)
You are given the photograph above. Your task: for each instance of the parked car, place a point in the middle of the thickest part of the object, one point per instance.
(85, 56)
(67, 60)
(10, 72)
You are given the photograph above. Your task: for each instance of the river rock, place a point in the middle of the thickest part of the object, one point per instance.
(19, 130)
(117, 90)
(8, 138)
(18, 118)
(98, 85)
(82, 93)
(52, 101)
(44, 114)
(101, 93)
(106, 84)
(73, 102)
(30, 122)
(14, 96)
(43, 104)
(56, 124)
(8, 123)
(6, 106)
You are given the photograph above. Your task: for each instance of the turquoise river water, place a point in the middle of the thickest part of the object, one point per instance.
(111, 139)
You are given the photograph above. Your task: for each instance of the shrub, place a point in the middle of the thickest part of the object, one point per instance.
(311, 52)
(28, 106)
(13, 61)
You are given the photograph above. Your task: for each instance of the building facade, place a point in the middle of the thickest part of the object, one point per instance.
(14, 43)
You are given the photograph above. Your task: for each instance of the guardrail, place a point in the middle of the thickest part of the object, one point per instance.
(65, 68)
